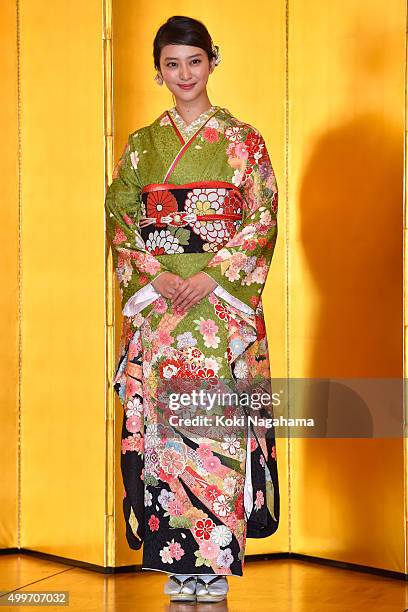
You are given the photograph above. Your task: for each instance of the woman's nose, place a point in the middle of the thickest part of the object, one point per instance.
(184, 72)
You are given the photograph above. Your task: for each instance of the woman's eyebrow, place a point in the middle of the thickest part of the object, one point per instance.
(189, 57)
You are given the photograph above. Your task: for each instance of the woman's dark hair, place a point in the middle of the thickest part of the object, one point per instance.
(179, 30)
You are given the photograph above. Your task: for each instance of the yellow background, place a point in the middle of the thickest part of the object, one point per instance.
(325, 85)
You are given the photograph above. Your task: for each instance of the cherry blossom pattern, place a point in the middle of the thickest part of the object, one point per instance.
(259, 500)
(208, 329)
(231, 444)
(172, 552)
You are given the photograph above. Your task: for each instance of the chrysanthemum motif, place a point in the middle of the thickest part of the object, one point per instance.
(241, 369)
(160, 203)
(163, 242)
(221, 535)
(210, 201)
(151, 436)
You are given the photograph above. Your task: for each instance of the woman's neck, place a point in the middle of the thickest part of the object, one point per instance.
(189, 111)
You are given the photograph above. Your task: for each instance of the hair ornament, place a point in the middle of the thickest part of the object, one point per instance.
(216, 52)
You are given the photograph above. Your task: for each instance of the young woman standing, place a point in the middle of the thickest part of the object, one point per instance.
(191, 216)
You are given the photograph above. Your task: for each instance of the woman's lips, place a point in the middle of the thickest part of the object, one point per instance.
(187, 86)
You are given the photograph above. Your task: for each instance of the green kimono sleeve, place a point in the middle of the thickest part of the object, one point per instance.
(242, 265)
(135, 267)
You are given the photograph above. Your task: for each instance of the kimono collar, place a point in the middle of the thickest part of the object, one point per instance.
(188, 130)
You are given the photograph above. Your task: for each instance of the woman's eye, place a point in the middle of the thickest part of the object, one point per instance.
(172, 64)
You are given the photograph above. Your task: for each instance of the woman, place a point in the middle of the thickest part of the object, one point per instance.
(191, 217)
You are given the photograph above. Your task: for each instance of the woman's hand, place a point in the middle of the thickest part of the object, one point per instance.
(193, 290)
(168, 284)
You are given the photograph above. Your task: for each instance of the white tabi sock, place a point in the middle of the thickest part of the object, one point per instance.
(182, 576)
(208, 577)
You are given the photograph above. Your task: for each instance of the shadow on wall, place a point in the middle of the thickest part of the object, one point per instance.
(351, 230)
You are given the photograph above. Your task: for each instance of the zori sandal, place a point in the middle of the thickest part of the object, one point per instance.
(213, 590)
(181, 589)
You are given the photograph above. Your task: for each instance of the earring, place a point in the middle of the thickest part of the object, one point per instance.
(159, 79)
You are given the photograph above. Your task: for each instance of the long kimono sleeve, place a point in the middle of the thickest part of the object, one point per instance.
(135, 267)
(242, 265)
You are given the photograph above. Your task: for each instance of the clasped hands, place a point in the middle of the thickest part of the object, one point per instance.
(184, 293)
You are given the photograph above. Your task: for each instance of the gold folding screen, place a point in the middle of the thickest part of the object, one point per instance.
(346, 124)
(325, 84)
(9, 270)
(53, 425)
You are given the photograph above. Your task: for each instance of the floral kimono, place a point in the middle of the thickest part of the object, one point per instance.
(184, 199)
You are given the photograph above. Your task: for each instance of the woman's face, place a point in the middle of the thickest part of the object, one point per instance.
(184, 65)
